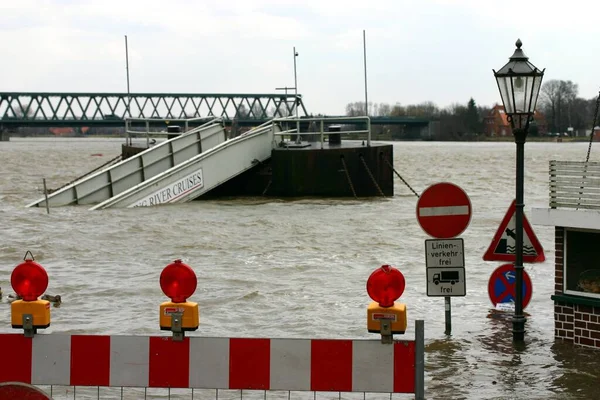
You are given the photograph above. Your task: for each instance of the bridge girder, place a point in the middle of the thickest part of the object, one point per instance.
(111, 109)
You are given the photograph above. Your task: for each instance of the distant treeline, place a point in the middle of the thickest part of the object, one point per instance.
(558, 102)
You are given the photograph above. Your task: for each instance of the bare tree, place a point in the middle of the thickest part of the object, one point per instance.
(20, 110)
(241, 112)
(549, 100)
(355, 109)
(556, 100)
(258, 111)
(569, 91)
(384, 110)
(398, 110)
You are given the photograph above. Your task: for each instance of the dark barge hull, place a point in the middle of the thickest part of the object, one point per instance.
(348, 169)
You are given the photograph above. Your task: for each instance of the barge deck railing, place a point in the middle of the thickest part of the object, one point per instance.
(328, 120)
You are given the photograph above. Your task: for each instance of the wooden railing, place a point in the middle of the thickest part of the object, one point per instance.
(575, 184)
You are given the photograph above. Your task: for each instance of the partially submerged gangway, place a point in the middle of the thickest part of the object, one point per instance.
(270, 159)
(201, 173)
(135, 170)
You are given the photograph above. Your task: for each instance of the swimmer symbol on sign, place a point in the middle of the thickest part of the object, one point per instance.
(503, 245)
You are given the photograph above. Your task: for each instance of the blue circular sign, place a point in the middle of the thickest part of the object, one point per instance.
(502, 285)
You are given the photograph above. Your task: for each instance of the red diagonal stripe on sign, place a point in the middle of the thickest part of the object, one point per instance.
(510, 289)
(249, 364)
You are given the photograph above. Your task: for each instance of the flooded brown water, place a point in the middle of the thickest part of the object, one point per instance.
(298, 267)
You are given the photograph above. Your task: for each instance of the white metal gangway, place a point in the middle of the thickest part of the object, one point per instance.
(133, 171)
(201, 173)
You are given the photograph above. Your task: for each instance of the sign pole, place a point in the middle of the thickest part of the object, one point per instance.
(444, 212)
(448, 315)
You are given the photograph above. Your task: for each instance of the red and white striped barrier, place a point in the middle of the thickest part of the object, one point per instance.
(215, 363)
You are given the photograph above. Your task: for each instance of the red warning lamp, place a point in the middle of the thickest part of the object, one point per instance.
(384, 315)
(29, 280)
(178, 281)
(386, 285)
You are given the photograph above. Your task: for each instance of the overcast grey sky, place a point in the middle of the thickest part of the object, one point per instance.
(422, 50)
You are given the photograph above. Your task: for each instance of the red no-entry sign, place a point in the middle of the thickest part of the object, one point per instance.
(444, 210)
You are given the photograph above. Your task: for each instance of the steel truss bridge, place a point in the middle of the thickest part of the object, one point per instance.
(51, 109)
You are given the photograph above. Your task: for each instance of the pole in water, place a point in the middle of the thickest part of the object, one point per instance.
(127, 69)
(46, 196)
(448, 315)
(128, 111)
(296, 98)
(366, 98)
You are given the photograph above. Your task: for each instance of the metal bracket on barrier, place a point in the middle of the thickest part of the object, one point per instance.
(176, 326)
(386, 331)
(30, 331)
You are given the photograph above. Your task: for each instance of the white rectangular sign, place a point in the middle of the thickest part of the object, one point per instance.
(446, 282)
(174, 191)
(444, 253)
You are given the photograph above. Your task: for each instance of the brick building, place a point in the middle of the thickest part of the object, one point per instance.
(496, 123)
(574, 211)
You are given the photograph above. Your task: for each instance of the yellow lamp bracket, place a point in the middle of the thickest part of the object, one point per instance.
(387, 321)
(386, 331)
(179, 318)
(30, 316)
(177, 326)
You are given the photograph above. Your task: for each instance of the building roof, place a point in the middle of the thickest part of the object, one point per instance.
(499, 110)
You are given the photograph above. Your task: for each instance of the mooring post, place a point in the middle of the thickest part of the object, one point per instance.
(46, 196)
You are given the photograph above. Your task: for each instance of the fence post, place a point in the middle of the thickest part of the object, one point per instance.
(420, 360)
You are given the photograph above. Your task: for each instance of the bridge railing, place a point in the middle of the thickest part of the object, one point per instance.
(322, 121)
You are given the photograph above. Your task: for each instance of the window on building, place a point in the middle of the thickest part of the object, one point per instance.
(581, 275)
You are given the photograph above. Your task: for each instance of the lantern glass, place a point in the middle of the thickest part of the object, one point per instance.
(519, 93)
(519, 83)
(505, 86)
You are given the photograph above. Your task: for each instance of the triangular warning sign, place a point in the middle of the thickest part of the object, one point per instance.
(504, 245)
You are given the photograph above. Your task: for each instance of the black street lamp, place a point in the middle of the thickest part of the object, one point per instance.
(519, 82)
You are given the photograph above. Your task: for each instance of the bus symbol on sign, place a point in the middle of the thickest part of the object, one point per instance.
(446, 277)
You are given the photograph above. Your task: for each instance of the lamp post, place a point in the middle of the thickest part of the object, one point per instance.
(519, 82)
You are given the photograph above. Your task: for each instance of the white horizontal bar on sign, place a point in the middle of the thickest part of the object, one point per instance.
(437, 211)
